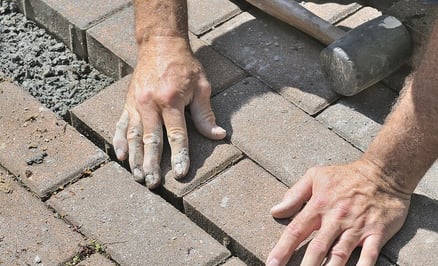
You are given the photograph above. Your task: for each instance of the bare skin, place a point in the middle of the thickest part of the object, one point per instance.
(366, 202)
(167, 78)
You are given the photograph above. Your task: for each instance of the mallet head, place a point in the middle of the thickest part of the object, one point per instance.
(366, 55)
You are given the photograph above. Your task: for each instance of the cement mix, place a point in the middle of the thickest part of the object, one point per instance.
(44, 66)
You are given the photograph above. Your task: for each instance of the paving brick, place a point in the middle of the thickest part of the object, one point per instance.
(203, 15)
(286, 59)
(68, 20)
(29, 231)
(417, 241)
(358, 119)
(429, 183)
(96, 259)
(331, 11)
(136, 226)
(97, 118)
(363, 15)
(234, 208)
(113, 50)
(36, 146)
(276, 134)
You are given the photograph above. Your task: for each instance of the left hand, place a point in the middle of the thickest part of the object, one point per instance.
(351, 205)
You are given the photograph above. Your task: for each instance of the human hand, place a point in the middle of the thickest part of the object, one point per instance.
(351, 205)
(166, 79)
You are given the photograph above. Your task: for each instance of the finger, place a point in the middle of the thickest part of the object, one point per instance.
(320, 245)
(135, 144)
(293, 199)
(202, 114)
(177, 135)
(370, 251)
(341, 251)
(120, 141)
(152, 146)
(296, 232)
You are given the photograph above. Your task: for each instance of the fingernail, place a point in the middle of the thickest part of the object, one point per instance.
(273, 262)
(219, 131)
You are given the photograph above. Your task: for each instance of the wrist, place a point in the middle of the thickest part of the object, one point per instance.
(164, 45)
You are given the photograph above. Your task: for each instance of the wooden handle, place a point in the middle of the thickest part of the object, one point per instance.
(299, 17)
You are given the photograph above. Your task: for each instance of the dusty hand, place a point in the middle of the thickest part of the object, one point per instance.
(350, 205)
(166, 79)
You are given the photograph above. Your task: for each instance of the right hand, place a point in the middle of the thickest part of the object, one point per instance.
(166, 79)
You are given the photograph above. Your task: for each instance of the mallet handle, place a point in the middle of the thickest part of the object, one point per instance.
(294, 14)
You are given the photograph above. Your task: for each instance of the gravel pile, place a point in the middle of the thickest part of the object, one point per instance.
(44, 66)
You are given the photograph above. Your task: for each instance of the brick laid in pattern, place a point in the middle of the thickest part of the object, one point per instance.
(417, 241)
(97, 119)
(331, 11)
(234, 208)
(363, 15)
(275, 133)
(358, 119)
(136, 226)
(234, 262)
(286, 59)
(29, 232)
(68, 20)
(203, 15)
(113, 50)
(40, 149)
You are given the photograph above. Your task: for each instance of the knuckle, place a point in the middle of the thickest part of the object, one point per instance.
(134, 134)
(177, 136)
(151, 139)
(340, 253)
(318, 246)
(294, 230)
(144, 97)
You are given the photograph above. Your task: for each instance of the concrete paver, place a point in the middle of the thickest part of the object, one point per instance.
(331, 11)
(275, 133)
(98, 116)
(136, 226)
(68, 20)
(203, 15)
(286, 59)
(361, 16)
(234, 208)
(38, 147)
(429, 184)
(29, 232)
(358, 119)
(234, 262)
(417, 241)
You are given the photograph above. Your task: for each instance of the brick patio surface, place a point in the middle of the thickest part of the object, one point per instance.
(66, 200)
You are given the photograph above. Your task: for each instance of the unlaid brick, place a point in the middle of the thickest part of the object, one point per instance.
(136, 226)
(39, 148)
(113, 50)
(281, 56)
(275, 133)
(358, 119)
(68, 20)
(97, 118)
(29, 232)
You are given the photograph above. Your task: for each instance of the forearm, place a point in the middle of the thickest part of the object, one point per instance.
(165, 18)
(408, 142)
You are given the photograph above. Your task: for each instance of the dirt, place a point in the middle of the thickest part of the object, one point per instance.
(37, 62)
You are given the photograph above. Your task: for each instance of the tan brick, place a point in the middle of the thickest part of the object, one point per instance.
(29, 231)
(136, 226)
(329, 10)
(363, 15)
(39, 148)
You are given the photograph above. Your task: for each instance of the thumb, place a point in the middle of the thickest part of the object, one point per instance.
(202, 114)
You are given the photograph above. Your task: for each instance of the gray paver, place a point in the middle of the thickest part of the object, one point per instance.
(96, 259)
(31, 132)
(203, 15)
(97, 118)
(29, 232)
(275, 133)
(358, 119)
(284, 58)
(417, 241)
(331, 11)
(429, 184)
(234, 262)
(113, 50)
(136, 226)
(68, 20)
(234, 208)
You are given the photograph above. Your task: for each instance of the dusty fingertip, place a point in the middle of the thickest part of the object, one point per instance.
(152, 180)
(276, 208)
(138, 175)
(180, 170)
(121, 154)
(273, 262)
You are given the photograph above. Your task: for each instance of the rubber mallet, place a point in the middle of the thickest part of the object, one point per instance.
(353, 60)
